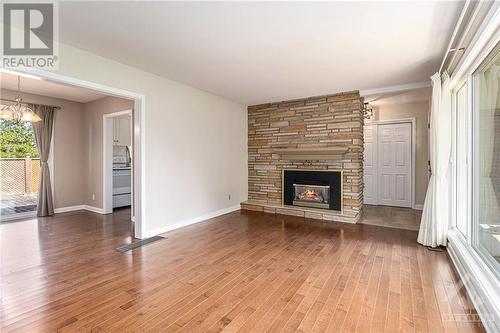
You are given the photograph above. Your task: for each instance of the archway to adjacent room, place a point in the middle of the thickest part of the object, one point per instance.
(137, 132)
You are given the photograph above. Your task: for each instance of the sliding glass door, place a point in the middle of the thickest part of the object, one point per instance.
(486, 160)
(19, 170)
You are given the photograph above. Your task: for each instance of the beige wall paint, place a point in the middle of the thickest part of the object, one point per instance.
(93, 135)
(69, 167)
(195, 142)
(389, 108)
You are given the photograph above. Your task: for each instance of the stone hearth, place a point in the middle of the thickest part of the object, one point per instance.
(316, 133)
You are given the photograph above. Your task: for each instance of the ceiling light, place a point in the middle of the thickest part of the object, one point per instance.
(367, 111)
(19, 112)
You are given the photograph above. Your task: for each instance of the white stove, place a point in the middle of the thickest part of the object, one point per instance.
(122, 177)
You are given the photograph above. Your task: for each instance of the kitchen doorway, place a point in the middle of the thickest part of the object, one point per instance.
(118, 166)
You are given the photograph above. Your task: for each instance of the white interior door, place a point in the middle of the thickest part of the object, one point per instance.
(370, 165)
(394, 164)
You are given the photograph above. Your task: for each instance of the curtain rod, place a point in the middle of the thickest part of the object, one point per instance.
(14, 101)
(450, 48)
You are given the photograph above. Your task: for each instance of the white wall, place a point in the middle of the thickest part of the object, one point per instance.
(195, 142)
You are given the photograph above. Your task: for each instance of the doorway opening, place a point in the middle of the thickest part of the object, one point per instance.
(118, 157)
(389, 163)
(76, 141)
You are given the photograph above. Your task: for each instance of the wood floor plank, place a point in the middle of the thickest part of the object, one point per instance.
(433, 314)
(368, 306)
(351, 268)
(326, 286)
(363, 265)
(354, 310)
(407, 323)
(418, 300)
(393, 318)
(241, 272)
(379, 315)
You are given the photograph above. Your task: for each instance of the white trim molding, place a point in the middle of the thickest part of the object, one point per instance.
(107, 160)
(30, 215)
(79, 207)
(195, 220)
(418, 206)
(482, 286)
(95, 209)
(397, 88)
(69, 209)
(487, 37)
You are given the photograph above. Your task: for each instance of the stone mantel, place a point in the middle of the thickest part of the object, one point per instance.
(301, 154)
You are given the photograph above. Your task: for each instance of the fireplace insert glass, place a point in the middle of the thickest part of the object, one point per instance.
(317, 196)
(325, 189)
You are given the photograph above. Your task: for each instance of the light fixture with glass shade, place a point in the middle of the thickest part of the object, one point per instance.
(19, 112)
(367, 111)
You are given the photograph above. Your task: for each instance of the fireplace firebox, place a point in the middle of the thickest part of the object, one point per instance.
(313, 188)
(317, 196)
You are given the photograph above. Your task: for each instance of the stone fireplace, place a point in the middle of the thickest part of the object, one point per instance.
(305, 157)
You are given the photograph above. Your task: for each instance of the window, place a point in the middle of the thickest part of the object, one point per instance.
(486, 163)
(19, 168)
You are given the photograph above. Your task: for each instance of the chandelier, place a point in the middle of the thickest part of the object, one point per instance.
(19, 112)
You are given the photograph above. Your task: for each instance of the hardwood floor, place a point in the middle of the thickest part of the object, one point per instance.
(244, 271)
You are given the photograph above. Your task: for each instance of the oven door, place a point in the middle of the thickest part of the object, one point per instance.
(122, 181)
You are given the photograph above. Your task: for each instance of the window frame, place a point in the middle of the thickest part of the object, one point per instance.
(483, 253)
(455, 166)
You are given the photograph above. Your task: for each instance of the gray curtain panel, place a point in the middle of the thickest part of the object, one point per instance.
(43, 134)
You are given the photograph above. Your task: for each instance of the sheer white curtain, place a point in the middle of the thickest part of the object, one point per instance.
(435, 215)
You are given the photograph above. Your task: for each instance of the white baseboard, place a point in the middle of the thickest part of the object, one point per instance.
(69, 209)
(481, 284)
(96, 209)
(195, 220)
(79, 207)
(56, 210)
(415, 206)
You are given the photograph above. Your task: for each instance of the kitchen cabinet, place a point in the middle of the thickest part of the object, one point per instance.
(122, 135)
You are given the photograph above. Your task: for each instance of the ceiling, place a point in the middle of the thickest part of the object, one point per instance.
(33, 85)
(256, 52)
